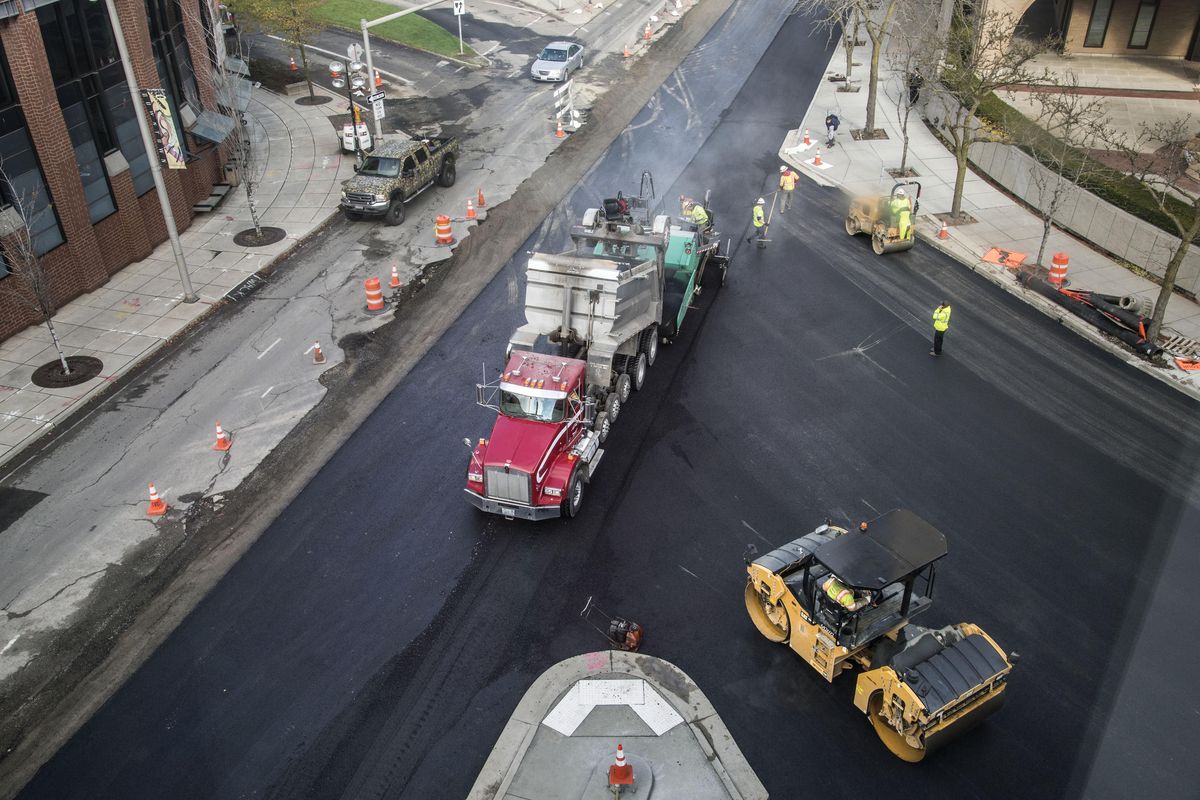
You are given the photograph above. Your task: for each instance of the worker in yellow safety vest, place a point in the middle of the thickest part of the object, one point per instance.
(839, 593)
(901, 208)
(941, 324)
(759, 218)
(787, 184)
(696, 213)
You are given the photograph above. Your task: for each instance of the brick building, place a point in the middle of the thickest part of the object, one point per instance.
(1165, 28)
(70, 146)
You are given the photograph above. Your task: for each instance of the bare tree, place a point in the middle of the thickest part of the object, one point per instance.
(875, 17)
(1074, 121)
(242, 157)
(294, 20)
(913, 55)
(27, 282)
(981, 56)
(1160, 158)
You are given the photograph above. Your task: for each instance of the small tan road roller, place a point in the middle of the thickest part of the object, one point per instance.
(847, 599)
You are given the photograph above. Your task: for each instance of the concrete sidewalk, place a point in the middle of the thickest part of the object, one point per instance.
(860, 168)
(563, 736)
(142, 306)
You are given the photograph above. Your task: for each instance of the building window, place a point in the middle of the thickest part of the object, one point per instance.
(119, 110)
(1097, 27)
(91, 167)
(1143, 23)
(23, 184)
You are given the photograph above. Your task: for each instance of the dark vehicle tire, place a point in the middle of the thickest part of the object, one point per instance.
(447, 174)
(353, 216)
(395, 212)
(574, 499)
(612, 407)
(624, 387)
(602, 427)
(650, 344)
(638, 373)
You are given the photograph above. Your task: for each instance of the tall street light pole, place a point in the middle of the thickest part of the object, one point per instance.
(189, 294)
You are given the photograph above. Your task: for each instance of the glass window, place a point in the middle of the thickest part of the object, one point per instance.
(1098, 24)
(383, 167)
(422, 156)
(91, 168)
(24, 186)
(523, 406)
(100, 34)
(119, 109)
(183, 68)
(1139, 38)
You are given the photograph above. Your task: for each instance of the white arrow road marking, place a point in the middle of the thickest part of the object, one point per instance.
(585, 695)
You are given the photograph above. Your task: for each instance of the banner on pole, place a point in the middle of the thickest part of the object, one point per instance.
(166, 136)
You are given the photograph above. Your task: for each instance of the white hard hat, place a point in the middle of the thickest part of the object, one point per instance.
(783, 168)
(761, 201)
(900, 193)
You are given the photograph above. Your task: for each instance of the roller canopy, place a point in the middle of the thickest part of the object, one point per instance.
(895, 546)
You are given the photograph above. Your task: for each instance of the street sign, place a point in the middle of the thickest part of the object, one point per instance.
(373, 97)
(460, 7)
(377, 108)
(354, 51)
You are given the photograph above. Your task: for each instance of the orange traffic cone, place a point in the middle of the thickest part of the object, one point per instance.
(224, 441)
(648, 34)
(378, 79)
(620, 773)
(817, 160)
(944, 233)
(807, 141)
(157, 506)
(395, 281)
(470, 209)
(559, 133)
(627, 53)
(294, 67)
(318, 356)
(479, 201)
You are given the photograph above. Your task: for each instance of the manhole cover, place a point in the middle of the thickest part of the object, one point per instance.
(315, 100)
(248, 238)
(52, 376)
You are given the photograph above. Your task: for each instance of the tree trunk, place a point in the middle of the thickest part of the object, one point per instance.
(304, 64)
(960, 176)
(62, 359)
(1168, 282)
(848, 46)
(1046, 225)
(904, 152)
(877, 35)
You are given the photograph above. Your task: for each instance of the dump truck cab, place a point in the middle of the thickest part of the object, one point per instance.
(540, 452)
(842, 600)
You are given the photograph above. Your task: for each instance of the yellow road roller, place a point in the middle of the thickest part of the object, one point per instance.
(889, 219)
(845, 599)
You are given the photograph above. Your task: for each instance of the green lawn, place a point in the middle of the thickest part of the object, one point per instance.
(413, 30)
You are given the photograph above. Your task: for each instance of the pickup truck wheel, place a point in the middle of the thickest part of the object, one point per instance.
(395, 213)
(574, 499)
(650, 345)
(639, 372)
(447, 175)
(602, 427)
(624, 387)
(612, 407)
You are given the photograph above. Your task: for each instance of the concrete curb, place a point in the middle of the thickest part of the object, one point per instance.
(671, 682)
(927, 230)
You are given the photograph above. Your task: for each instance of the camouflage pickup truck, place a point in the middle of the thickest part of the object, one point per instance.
(396, 172)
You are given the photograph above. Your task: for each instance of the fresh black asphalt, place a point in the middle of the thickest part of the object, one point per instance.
(375, 640)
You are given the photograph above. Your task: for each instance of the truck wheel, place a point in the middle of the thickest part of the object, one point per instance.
(602, 427)
(612, 407)
(639, 372)
(650, 344)
(447, 175)
(574, 499)
(624, 387)
(395, 213)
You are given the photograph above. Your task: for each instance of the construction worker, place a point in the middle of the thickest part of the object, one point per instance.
(695, 212)
(901, 208)
(787, 184)
(842, 595)
(941, 323)
(759, 218)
